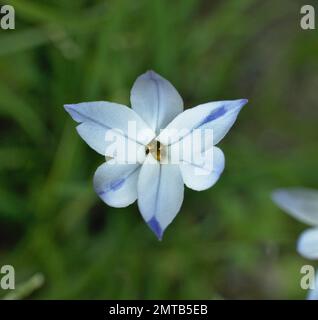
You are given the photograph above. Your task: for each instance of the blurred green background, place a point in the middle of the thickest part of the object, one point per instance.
(229, 242)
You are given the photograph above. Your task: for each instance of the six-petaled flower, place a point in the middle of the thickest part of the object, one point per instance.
(154, 180)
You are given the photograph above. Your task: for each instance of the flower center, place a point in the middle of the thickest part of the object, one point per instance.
(156, 149)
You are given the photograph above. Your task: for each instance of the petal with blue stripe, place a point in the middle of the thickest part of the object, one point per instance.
(99, 118)
(160, 194)
(156, 100)
(116, 184)
(216, 116)
(203, 171)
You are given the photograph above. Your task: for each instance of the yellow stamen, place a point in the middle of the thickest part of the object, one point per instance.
(156, 149)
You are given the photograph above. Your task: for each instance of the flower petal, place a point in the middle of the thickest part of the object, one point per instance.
(160, 194)
(204, 171)
(300, 203)
(98, 118)
(155, 100)
(307, 244)
(313, 293)
(116, 184)
(218, 116)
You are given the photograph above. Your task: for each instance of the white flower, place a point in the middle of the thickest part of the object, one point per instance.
(313, 293)
(302, 204)
(154, 180)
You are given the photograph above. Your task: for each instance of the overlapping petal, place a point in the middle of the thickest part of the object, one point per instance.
(116, 184)
(156, 100)
(99, 118)
(204, 171)
(160, 194)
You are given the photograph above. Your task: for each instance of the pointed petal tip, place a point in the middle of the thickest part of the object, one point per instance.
(70, 108)
(73, 112)
(278, 195)
(151, 74)
(67, 106)
(243, 102)
(155, 227)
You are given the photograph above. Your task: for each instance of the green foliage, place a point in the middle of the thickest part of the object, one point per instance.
(227, 242)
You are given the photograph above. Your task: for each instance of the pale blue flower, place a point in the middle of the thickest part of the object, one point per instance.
(158, 185)
(302, 204)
